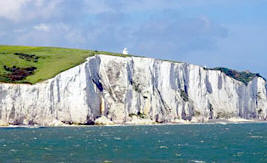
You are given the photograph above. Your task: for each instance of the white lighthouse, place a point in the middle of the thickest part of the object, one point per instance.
(125, 51)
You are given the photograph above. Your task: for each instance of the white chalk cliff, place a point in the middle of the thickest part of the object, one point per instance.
(120, 89)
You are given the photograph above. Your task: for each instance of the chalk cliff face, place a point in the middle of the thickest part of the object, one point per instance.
(123, 88)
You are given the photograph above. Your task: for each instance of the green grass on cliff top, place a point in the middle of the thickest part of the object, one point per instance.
(52, 60)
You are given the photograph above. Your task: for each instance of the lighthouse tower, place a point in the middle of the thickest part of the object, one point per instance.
(125, 51)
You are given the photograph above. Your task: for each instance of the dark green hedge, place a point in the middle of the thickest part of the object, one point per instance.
(242, 76)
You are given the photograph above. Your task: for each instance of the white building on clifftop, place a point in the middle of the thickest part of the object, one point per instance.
(125, 51)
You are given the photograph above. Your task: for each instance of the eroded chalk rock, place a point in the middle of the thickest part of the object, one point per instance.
(113, 88)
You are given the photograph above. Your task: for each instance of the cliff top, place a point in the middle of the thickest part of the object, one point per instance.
(27, 64)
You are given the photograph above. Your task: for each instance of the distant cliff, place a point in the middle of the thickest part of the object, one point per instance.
(125, 89)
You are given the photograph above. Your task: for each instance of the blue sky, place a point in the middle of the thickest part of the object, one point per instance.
(229, 33)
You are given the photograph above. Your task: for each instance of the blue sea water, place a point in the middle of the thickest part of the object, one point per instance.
(161, 143)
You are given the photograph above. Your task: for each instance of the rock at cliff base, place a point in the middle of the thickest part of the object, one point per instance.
(103, 121)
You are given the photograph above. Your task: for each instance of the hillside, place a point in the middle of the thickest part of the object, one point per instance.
(26, 64)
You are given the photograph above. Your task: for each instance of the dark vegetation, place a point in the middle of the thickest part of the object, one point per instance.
(139, 114)
(184, 95)
(16, 73)
(243, 76)
(28, 57)
(260, 111)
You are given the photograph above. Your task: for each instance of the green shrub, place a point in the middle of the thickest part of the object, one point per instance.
(132, 115)
(139, 115)
(243, 76)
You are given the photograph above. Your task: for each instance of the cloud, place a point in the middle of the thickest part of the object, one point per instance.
(183, 30)
(144, 26)
(179, 36)
(167, 33)
(51, 34)
(11, 9)
(26, 10)
(42, 27)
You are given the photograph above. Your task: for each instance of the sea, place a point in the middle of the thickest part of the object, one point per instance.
(159, 143)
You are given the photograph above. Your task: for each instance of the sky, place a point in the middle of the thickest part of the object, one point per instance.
(212, 33)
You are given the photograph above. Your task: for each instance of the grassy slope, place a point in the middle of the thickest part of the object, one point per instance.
(51, 62)
(54, 60)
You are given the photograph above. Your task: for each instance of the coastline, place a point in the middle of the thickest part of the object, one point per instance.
(210, 122)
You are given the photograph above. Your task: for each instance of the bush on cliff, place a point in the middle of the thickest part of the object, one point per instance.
(243, 76)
